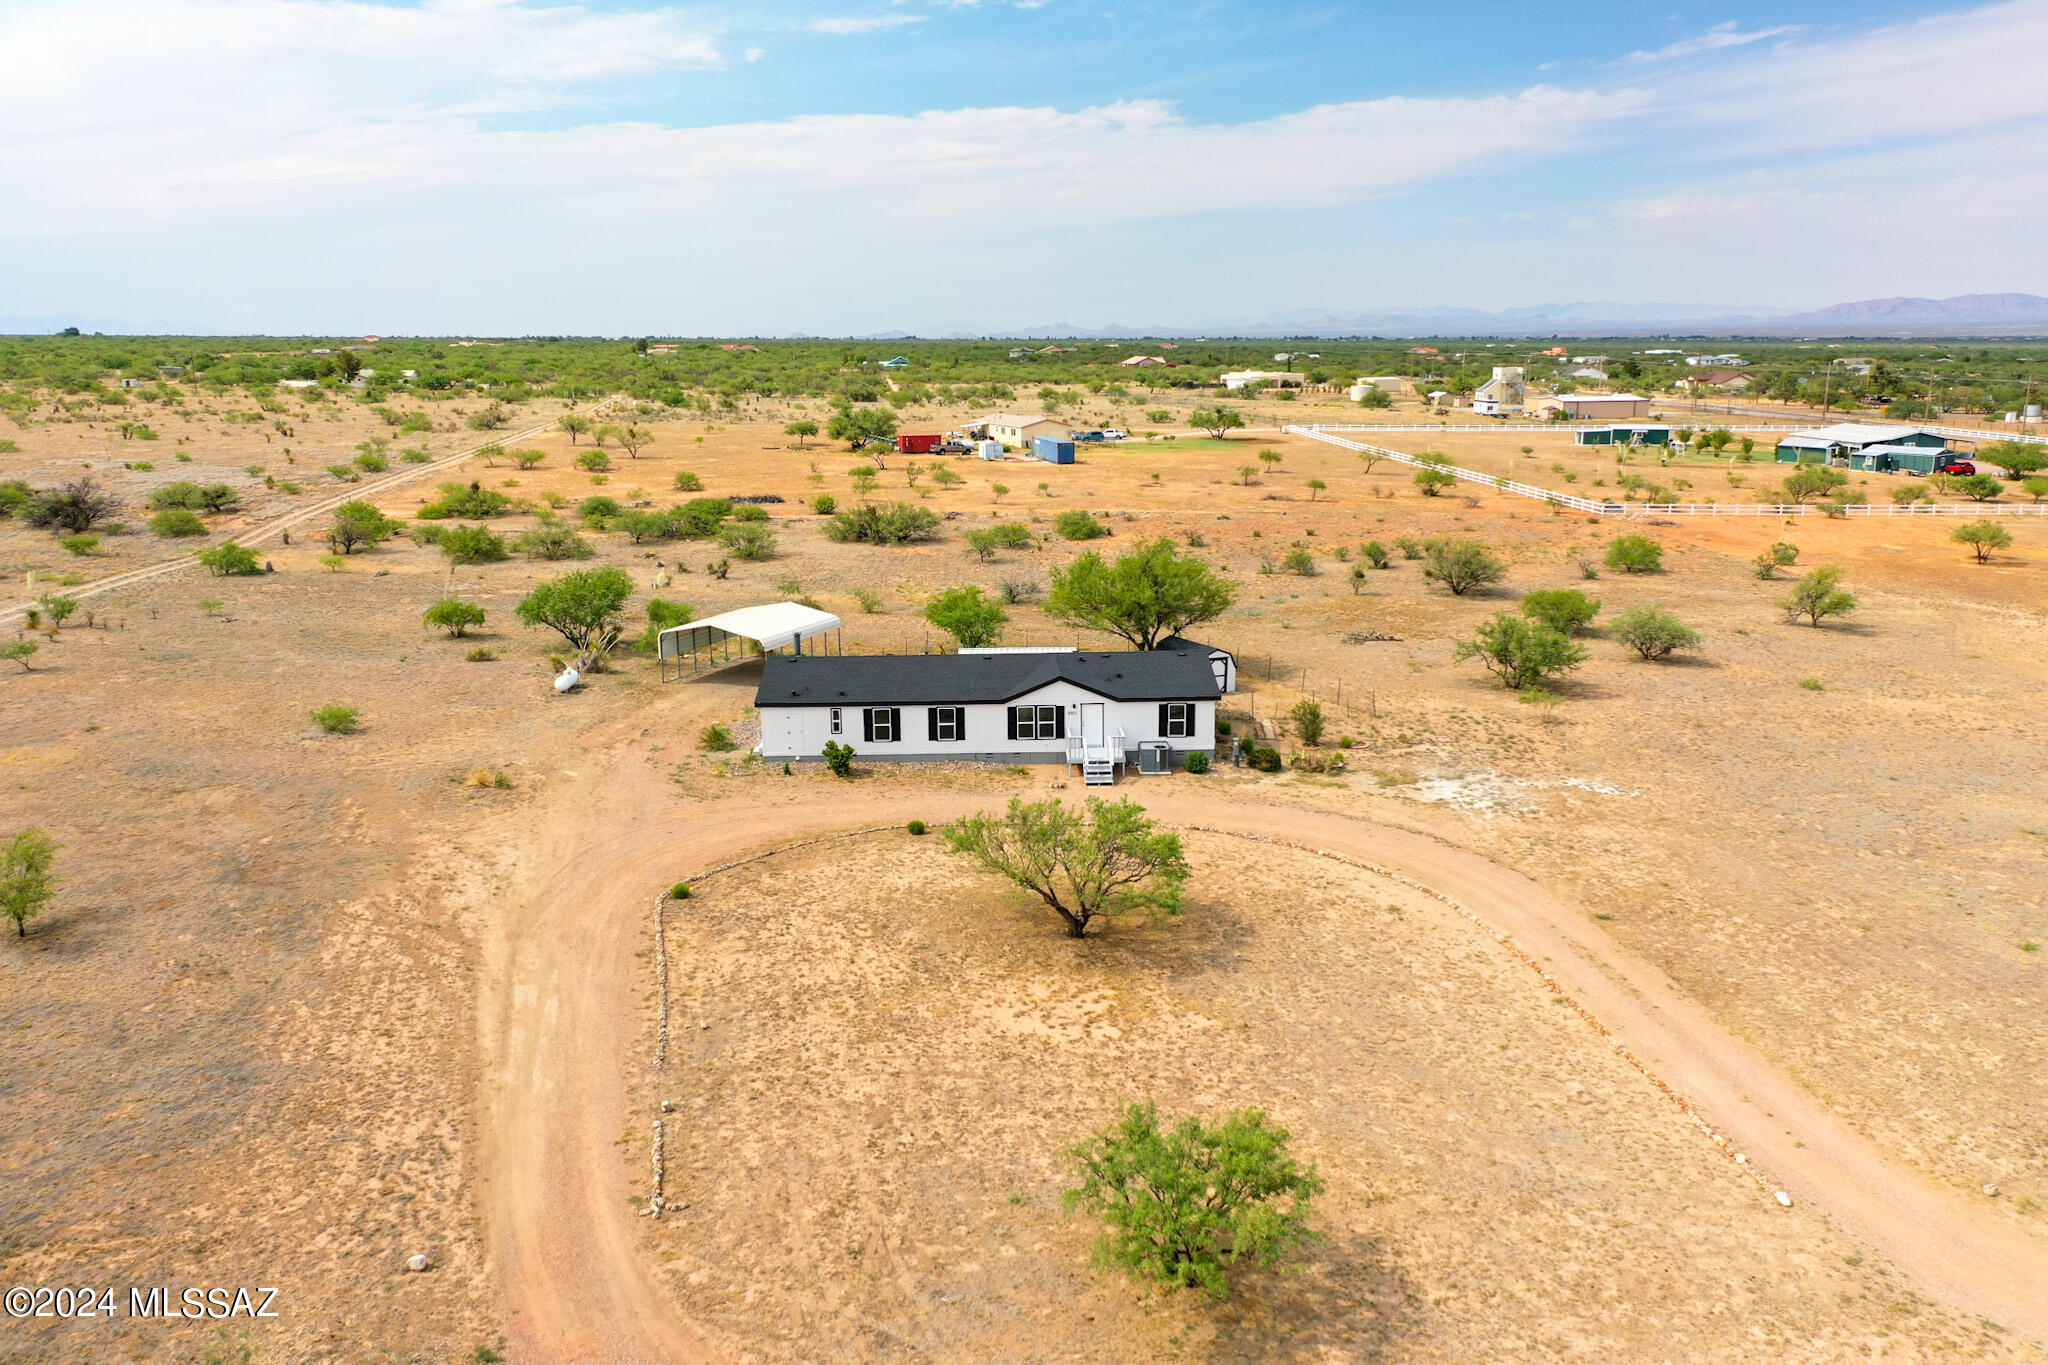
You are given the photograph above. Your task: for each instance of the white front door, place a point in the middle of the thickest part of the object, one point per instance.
(1093, 724)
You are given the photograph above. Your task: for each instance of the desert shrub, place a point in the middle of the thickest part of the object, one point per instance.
(824, 504)
(642, 525)
(181, 493)
(482, 654)
(1653, 632)
(679, 892)
(358, 525)
(473, 545)
(338, 720)
(985, 542)
(1262, 759)
(76, 507)
(1982, 537)
(177, 523)
(916, 827)
(599, 508)
(1078, 525)
(1461, 565)
(699, 517)
(1634, 554)
(1376, 555)
(716, 739)
(838, 757)
(1519, 652)
(1308, 720)
(1019, 592)
(229, 560)
(896, 523)
(18, 651)
(1818, 595)
(465, 500)
(1196, 761)
(1300, 562)
(87, 544)
(371, 463)
(454, 616)
(1182, 1206)
(1981, 487)
(686, 482)
(748, 541)
(59, 608)
(595, 461)
(661, 615)
(749, 512)
(553, 540)
(1565, 610)
(1433, 482)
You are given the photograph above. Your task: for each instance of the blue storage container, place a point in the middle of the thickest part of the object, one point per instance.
(1052, 451)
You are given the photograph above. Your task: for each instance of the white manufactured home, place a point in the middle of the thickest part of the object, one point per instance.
(1099, 712)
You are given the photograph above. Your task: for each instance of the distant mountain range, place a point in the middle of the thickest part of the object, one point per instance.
(1963, 315)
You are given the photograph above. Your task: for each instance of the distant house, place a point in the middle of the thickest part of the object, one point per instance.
(1169, 345)
(1726, 362)
(1143, 360)
(1502, 395)
(1589, 360)
(371, 341)
(1725, 379)
(131, 383)
(170, 369)
(1097, 711)
(1557, 351)
(1587, 372)
(737, 346)
(895, 363)
(298, 383)
(666, 348)
(1424, 350)
(1237, 379)
(1017, 429)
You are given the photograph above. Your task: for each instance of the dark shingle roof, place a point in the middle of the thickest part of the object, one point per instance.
(947, 679)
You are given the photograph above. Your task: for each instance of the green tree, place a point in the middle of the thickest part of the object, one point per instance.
(454, 616)
(631, 437)
(1433, 482)
(1519, 652)
(2037, 489)
(972, 620)
(59, 608)
(473, 545)
(857, 426)
(1315, 486)
(1184, 1206)
(553, 539)
(1982, 537)
(1217, 421)
(663, 614)
(1300, 562)
(1982, 487)
(582, 607)
(1565, 610)
(574, 425)
(1149, 594)
(19, 651)
(229, 560)
(801, 430)
(1818, 595)
(1461, 565)
(1813, 482)
(28, 876)
(1653, 632)
(1634, 554)
(358, 525)
(1111, 861)
(2017, 458)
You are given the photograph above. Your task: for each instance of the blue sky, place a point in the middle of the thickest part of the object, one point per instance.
(511, 166)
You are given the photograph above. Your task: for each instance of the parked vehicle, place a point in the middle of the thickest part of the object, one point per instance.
(952, 448)
(1955, 467)
(1115, 434)
(1085, 437)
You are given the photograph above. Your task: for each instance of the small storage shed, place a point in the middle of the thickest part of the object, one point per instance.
(920, 443)
(1221, 661)
(1052, 450)
(990, 450)
(1624, 434)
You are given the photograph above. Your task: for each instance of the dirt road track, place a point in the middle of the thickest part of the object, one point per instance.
(561, 1018)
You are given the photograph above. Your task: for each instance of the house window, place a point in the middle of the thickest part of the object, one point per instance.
(882, 724)
(1176, 719)
(838, 722)
(948, 724)
(1038, 722)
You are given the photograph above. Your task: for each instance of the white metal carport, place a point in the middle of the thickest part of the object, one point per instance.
(775, 625)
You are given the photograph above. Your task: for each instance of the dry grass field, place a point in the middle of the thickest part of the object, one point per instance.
(244, 1045)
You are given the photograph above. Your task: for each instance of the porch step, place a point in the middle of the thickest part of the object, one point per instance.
(1098, 773)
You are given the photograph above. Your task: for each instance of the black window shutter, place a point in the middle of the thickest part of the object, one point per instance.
(931, 723)
(895, 722)
(867, 725)
(1059, 722)
(1165, 709)
(1013, 722)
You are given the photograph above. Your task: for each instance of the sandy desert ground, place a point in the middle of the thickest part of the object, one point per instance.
(269, 1033)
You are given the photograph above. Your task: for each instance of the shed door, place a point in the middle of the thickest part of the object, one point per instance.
(1092, 723)
(1220, 666)
(792, 731)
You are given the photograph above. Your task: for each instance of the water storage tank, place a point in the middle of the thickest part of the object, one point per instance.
(990, 450)
(567, 679)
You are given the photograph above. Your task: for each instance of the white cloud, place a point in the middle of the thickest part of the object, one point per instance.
(755, 54)
(1714, 39)
(863, 23)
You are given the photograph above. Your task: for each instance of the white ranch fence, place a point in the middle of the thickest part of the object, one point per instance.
(1675, 509)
